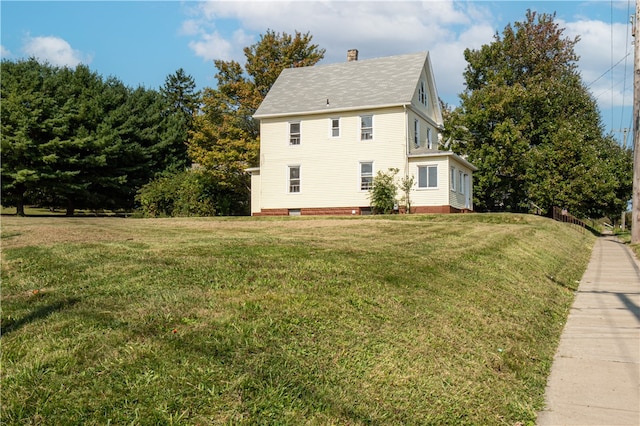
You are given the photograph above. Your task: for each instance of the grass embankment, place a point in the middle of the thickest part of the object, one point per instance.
(450, 319)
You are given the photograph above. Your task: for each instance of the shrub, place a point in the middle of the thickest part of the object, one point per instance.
(187, 193)
(384, 191)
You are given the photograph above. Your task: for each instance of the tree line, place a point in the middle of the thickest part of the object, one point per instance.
(528, 122)
(73, 139)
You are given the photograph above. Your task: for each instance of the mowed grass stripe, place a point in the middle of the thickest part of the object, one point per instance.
(450, 319)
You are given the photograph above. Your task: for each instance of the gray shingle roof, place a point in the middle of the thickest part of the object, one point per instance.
(348, 85)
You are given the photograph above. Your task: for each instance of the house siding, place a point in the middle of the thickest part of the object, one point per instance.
(330, 166)
(457, 197)
(325, 161)
(438, 196)
(256, 191)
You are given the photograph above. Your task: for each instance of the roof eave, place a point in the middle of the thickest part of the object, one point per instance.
(447, 154)
(331, 110)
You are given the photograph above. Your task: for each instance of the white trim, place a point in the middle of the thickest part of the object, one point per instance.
(426, 118)
(333, 111)
(445, 154)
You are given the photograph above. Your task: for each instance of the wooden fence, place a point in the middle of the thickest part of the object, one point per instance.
(562, 215)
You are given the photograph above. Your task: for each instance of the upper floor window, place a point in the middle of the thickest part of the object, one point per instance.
(294, 179)
(427, 176)
(422, 93)
(366, 176)
(366, 127)
(335, 127)
(416, 133)
(294, 133)
(429, 140)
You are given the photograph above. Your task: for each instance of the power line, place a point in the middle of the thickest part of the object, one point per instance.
(611, 55)
(605, 73)
(626, 47)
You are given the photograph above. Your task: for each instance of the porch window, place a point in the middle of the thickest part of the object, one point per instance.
(452, 178)
(427, 176)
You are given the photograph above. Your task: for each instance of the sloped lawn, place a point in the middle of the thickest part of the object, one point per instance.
(449, 319)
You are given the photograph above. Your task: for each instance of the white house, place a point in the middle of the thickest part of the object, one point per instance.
(326, 130)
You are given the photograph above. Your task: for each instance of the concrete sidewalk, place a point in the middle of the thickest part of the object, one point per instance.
(595, 377)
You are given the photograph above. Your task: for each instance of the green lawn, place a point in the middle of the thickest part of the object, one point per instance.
(446, 319)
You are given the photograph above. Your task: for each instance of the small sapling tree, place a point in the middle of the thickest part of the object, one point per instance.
(406, 184)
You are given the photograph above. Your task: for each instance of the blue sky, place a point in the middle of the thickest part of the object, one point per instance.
(141, 42)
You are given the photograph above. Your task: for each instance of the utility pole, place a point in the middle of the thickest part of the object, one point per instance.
(635, 208)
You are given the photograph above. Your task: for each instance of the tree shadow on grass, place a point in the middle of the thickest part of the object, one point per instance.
(11, 325)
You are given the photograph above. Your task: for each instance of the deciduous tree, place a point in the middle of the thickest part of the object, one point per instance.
(225, 136)
(532, 128)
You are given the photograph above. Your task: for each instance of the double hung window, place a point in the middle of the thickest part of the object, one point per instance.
(294, 179)
(366, 127)
(416, 133)
(366, 176)
(294, 133)
(335, 127)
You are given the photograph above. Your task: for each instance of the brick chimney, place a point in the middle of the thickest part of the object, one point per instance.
(352, 55)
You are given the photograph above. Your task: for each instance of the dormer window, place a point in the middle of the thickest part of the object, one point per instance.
(422, 93)
(294, 133)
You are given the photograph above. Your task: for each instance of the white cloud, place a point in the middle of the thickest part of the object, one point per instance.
(381, 28)
(54, 50)
(4, 52)
(212, 46)
(602, 62)
(449, 63)
(375, 28)
(190, 27)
